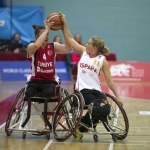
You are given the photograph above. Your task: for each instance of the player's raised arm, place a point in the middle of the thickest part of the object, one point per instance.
(68, 36)
(41, 34)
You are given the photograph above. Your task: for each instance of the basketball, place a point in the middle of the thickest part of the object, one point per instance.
(55, 17)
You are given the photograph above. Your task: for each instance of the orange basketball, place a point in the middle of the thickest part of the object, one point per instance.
(55, 17)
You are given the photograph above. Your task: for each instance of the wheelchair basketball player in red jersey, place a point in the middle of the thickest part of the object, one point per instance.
(41, 54)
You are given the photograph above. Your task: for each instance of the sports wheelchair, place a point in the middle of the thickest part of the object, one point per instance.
(68, 118)
(28, 107)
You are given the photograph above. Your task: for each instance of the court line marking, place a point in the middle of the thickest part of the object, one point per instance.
(138, 130)
(135, 98)
(111, 142)
(139, 135)
(140, 127)
(48, 144)
(2, 125)
(138, 141)
(144, 112)
(108, 143)
(130, 127)
(111, 145)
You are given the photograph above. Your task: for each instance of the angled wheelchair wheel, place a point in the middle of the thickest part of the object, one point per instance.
(117, 120)
(15, 112)
(67, 117)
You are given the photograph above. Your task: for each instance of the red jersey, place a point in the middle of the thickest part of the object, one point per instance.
(43, 64)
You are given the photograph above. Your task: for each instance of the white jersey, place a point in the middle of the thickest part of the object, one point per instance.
(88, 72)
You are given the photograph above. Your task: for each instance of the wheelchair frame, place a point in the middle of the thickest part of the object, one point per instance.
(71, 110)
(20, 108)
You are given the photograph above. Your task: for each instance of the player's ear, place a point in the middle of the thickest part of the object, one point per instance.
(94, 47)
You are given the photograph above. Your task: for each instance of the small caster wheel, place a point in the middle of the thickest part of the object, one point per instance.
(95, 138)
(114, 138)
(9, 132)
(109, 117)
(48, 136)
(24, 135)
(74, 135)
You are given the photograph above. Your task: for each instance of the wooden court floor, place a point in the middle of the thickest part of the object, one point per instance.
(136, 99)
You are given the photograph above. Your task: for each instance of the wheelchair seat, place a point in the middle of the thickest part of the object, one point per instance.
(70, 111)
(21, 108)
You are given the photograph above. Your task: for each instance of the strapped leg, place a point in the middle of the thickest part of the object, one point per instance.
(28, 113)
(45, 114)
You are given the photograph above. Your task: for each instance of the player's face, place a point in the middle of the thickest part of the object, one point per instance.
(89, 46)
(47, 37)
(58, 40)
(17, 37)
(78, 38)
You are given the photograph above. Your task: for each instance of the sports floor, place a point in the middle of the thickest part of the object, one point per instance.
(136, 99)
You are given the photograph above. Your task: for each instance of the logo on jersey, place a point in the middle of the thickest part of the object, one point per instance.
(49, 53)
(45, 67)
(45, 64)
(38, 69)
(96, 63)
(48, 46)
(83, 71)
(88, 67)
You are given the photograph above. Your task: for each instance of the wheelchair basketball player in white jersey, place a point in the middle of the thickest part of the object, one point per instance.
(91, 64)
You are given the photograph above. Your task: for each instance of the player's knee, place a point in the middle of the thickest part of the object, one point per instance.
(29, 93)
(46, 93)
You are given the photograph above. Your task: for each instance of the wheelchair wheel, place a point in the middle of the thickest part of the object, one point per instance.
(117, 120)
(67, 117)
(14, 113)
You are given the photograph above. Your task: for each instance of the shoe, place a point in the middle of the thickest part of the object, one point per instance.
(78, 134)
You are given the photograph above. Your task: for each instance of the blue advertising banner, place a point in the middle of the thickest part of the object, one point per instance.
(21, 18)
(5, 23)
(20, 70)
(62, 71)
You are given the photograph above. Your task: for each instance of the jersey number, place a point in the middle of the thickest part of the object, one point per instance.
(44, 56)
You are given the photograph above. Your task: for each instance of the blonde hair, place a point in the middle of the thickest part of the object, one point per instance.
(101, 48)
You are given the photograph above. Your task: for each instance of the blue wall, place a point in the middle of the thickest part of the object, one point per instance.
(123, 24)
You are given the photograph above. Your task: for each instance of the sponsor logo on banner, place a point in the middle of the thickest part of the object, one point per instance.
(63, 70)
(129, 71)
(121, 70)
(25, 71)
(2, 23)
(20, 71)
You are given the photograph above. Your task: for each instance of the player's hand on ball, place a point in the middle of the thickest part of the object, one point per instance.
(63, 18)
(48, 24)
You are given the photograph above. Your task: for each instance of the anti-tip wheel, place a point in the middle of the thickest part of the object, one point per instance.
(24, 135)
(114, 138)
(48, 136)
(95, 137)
